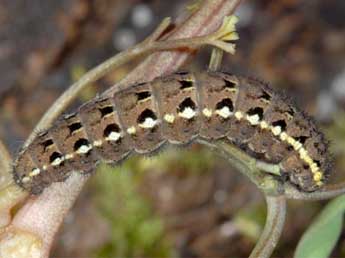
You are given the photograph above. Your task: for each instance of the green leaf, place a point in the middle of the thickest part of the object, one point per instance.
(321, 237)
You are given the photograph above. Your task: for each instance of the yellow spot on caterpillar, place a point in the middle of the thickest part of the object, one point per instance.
(317, 176)
(207, 112)
(191, 88)
(84, 149)
(26, 179)
(297, 145)
(69, 156)
(108, 115)
(290, 140)
(283, 136)
(276, 130)
(224, 112)
(77, 131)
(131, 130)
(263, 100)
(187, 113)
(263, 125)
(303, 153)
(314, 168)
(309, 160)
(148, 123)
(98, 143)
(238, 115)
(232, 90)
(45, 167)
(144, 100)
(35, 172)
(254, 119)
(57, 162)
(169, 118)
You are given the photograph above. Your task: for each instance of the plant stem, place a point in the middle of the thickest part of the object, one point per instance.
(276, 212)
(327, 192)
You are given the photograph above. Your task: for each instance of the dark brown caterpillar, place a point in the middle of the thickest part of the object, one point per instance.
(177, 109)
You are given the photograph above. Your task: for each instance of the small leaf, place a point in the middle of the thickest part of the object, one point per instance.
(321, 237)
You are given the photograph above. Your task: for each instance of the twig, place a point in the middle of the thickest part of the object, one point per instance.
(248, 166)
(206, 19)
(276, 212)
(276, 204)
(10, 194)
(327, 192)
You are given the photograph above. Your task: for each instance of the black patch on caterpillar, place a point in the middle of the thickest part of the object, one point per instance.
(186, 84)
(111, 128)
(54, 156)
(225, 103)
(46, 144)
(301, 139)
(280, 123)
(143, 95)
(256, 111)
(147, 113)
(106, 111)
(188, 102)
(81, 142)
(74, 127)
(265, 96)
(229, 84)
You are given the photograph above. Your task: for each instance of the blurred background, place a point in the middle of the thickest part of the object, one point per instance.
(182, 203)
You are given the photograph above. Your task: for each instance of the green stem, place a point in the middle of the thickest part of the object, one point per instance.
(276, 213)
(327, 192)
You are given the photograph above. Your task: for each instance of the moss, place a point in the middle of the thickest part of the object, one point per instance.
(135, 229)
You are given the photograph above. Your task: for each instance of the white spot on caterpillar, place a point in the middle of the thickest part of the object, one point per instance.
(283, 136)
(35, 172)
(83, 149)
(207, 112)
(254, 119)
(26, 179)
(69, 156)
(187, 113)
(276, 130)
(44, 167)
(97, 143)
(224, 112)
(148, 123)
(57, 161)
(238, 115)
(169, 118)
(131, 130)
(113, 136)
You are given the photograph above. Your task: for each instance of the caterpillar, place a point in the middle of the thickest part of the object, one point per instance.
(178, 109)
